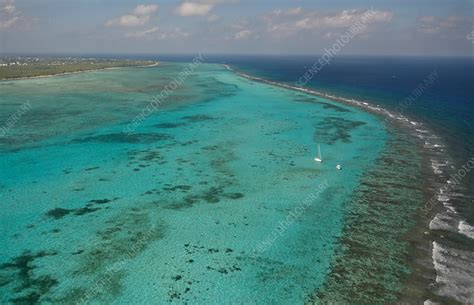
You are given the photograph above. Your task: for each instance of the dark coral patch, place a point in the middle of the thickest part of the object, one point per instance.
(199, 118)
(169, 125)
(211, 195)
(102, 201)
(334, 107)
(324, 104)
(85, 210)
(91, 168)
(187, 202)
(58, 213)
(234, 195)
(188, 143)
(177, 187)
(144, 156)
(20, 270)
(126, 138)
(333, 129)
(211, 148)
(123, 238)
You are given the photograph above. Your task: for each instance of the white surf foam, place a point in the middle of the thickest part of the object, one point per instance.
(443, 221)
(453, 278)
(466, 229)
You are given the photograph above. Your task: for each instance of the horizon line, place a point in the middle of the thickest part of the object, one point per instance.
(77, 54)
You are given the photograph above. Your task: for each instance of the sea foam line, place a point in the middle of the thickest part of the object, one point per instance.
(453, 278)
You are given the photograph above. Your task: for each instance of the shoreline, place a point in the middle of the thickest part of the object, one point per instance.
(434, 160)
(156, 63)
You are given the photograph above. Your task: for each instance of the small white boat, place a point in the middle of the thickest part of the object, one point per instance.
(339, 167)
(319, 158)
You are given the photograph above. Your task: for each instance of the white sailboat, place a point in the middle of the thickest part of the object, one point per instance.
(319, 158)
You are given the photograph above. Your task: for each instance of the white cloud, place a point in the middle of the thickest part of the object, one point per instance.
(142, 9)
(343, 19)
(193, 9)
(175, 33)
(142, 33)
(129, 20)
(9, 14)
(8, 23)
(9, 8)
(295, 11)
(213, 18)
(199, 7)
(291, 21)
(156, 33)
(426, 19)
(278, 13)
(242, 34)
(450, 26)
(139, 16)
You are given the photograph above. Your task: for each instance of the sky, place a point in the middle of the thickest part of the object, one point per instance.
(383, 27)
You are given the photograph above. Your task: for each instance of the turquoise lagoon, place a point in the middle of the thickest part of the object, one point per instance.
(177, 211)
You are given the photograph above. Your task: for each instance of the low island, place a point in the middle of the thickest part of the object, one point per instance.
(24, 67)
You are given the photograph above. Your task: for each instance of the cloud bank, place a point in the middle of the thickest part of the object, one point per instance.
(139, 16)
(9, 15)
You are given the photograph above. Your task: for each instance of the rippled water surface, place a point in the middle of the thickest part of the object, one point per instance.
(215, 197)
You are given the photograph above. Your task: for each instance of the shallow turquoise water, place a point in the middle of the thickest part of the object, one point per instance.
(175, 211)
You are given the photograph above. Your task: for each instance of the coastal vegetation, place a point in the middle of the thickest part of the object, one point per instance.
(12, 68)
